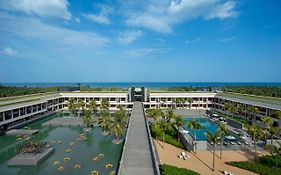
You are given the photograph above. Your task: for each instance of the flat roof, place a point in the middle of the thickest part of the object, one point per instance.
(251, 100)
(181, 94)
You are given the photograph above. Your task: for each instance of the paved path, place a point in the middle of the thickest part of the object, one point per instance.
(137, 158)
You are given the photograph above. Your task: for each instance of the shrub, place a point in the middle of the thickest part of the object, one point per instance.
(271, 161)
(170, 135)
(172, 170)
(256, 167)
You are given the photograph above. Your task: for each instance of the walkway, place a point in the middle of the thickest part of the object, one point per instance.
(137, 155)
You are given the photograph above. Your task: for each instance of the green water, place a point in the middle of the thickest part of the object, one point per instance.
(82, 152)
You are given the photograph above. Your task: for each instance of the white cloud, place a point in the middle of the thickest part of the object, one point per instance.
(8, 51)
(49, 8)
(141, 52)
(193, 41)
(161, 16)
(128, 37)
(102, 17)
(227, 39)
(33, 28)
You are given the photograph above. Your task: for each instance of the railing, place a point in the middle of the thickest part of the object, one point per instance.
(154, 155)
(119, 172)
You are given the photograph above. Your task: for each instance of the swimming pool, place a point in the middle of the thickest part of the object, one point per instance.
(200, 133)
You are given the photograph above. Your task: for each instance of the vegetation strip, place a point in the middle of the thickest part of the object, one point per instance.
(19, 102)
(172, 170)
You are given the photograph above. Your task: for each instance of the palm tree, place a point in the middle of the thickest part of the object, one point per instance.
(179, 122)
(213, 138)
(195, 125)
(88, 119)
(80, 106)
(190, 101)
(182, 101)
(241, 108)
(272, 131)
(104, 121)
(169, 114)
(71, 105)
(229, 107)
(163, 126)
(118, 125)
(153, 113)
(93, 106)
(255, 132)
(104, 103)
(253, 110)
(223, 131)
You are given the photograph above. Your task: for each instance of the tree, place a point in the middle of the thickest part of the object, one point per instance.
(223, 131)
(104, 103)
(179, 122)
(104, 121)
(255, 132)
(270, 129)
(163, 126)
(190, 101)
(88, 119)
(71, 105)
(241, 108)
(118, 125)
(80, 106)
(195, 125)
(253, 110)
(93, 106)
(229, 107)
(153, 113)
(213, 138)
(169, 114)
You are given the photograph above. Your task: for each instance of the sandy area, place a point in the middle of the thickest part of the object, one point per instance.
(202, 161)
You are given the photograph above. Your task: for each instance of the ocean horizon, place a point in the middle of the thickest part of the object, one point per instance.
(145, 84)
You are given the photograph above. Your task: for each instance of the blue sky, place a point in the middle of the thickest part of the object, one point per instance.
(140, 41)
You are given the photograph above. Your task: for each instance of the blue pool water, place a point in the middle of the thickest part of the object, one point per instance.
(206, 123)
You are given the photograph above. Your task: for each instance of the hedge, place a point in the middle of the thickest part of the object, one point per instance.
(172, 170)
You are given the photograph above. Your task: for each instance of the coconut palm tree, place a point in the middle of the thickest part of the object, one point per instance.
(163, 124)
(88, 119)
(104, 103)
(179, 122)
(104, 121)
(223, 131)
(154, 113)
(255, 132)
(118, 126)
(190, 101)
(229, 107)
(80, 106)
(182, 101)
(241, 108)
(270, 129)
(213, 138)
(169, 114)
(253, 110)
(71, 105)
(93, 106)
(195, 125)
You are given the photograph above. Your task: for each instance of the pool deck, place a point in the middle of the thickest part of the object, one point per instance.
(65, 121)
(137, 155)
(22, 132)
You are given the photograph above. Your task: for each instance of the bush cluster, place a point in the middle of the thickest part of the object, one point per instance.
(271, 161)
(170, 135)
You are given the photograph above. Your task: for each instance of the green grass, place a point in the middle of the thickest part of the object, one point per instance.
(238, 119)
(271, 100)
(25, 96)
(170, 135)
(172, 170)
(19, 102)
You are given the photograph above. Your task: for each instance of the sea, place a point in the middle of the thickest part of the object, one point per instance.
(145, 84)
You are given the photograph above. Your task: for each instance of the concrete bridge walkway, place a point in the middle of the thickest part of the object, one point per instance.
(137, 155)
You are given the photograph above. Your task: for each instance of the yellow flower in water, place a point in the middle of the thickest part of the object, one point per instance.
(96, 159)
(68, 150)
(112, 173)
(59, 142)
(67, 158)
(20, 138)
(53, 142)
(72, 144)
(61, 168)
(77, 166)
(56, 162)
(108, 165)
(101, 155)
(95, 172)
